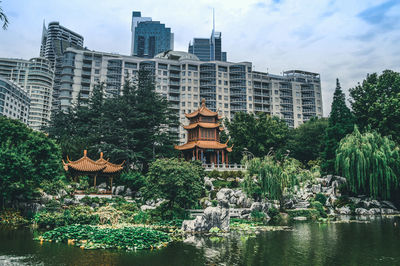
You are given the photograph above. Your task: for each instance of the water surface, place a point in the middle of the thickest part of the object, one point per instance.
(374, 243)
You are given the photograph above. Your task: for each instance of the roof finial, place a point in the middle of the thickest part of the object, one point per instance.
(101, 155)
(203, 102)
(84, 153)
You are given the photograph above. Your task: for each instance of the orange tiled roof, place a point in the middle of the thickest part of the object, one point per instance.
(203, 125)
(110, 167)
(203, 144)
(85, 164)
(203, 110)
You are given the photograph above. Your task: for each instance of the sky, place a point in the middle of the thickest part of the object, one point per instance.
(345, 39)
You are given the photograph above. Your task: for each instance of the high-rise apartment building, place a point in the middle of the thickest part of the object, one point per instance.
(184, 80)
(149, 37)
(34, 77)
(14, 101)
(55, 40)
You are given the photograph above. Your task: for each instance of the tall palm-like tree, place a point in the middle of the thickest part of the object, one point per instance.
(3, 18)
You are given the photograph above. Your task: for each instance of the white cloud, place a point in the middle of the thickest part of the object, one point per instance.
(323, 36)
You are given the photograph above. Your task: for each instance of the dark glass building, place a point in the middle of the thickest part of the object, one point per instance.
(151, 38)
(208, 49)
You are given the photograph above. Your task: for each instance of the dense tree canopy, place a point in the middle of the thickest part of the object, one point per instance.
(376, 103)
(305, 143)
(130, 127)
(340, 123)
(175, 180)
(370, 163)
(27, 158)
(256, 133)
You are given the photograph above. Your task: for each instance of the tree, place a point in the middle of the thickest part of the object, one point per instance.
(257, 134)
(305, 143)
(3, 18)
(27, 158)
(376, 103)
(340, 123)
(132, 127)
(370, 163)
(175, 180)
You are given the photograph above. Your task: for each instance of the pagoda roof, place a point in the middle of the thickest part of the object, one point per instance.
(203, 144)
(85, 164)
(203, 125)
(203, 110)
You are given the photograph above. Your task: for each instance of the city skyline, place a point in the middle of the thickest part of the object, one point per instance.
(333, 38)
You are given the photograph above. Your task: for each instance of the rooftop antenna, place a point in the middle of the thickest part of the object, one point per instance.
(213, 20)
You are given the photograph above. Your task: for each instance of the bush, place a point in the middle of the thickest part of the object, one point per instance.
(257, 216)
(321, 198)
(13, 218)
(274, 214)
(53, 187)
(214, 174)
(320, 208)
(92, 237)
(225, 175)
(133, 180)
(311, 214)
(165, 212)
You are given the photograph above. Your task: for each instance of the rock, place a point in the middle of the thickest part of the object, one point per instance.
(388, 204)
(62, 193)
(208, 184)
(316, 188)
(102, 185)
(365, 204)
(302, 204)
(258, 206)
(387, 211)
(224, 194)
(212, 217)
(375, 204)
(300, 218)
(147, 207)
(45, 198)
(356, 201)
(247, 203)
(128, 192)
(374, 211)
(102, 190)
(288, 203)
(94, 205)
(362, 211)
(119, 190)
(344, 210)
(69, 201)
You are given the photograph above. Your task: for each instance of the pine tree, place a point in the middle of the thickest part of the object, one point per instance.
(340, 123)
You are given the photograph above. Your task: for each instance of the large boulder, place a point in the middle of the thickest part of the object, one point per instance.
(147, 207)
(344, 210)
(224, 194)
(119, 190)
(316, 188)
(362, 211)
(208, 184)
(212, 217)
(389, 205)
(45, 198)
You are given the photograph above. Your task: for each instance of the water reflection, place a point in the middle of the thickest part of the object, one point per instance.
(374, 243)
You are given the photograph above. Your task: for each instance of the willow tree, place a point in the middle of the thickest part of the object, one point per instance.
(370, 163)
(267, 178)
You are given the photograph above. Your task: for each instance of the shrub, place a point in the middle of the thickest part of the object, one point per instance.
(257, 216)
(12, 217)
(142, 217)
(133, 180)
(321, 198)
(274, 214)
(311, 214)
(214, 174)
(320, 208)
(225, 175)
(93, 237)
(53, 187)
(214, 203)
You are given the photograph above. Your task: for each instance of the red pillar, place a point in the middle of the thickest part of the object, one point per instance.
(223, 159)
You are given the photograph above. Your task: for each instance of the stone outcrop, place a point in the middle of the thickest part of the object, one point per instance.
(212, 217)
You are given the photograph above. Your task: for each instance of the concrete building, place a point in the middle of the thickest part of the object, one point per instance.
(55, 40)
(14, 101)
(35, 77)
(184, 80)
(149, 37)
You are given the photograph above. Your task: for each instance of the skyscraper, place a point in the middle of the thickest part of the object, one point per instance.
(208, 49)
(149, 37)
(55, 40)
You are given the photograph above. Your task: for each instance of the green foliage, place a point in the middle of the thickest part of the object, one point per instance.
(133, 180)
(12, 218)
(55, 186)
(214, 174)
(92, 237)
(274, 214)
(257, 216)
(73, 215)
(27, 158)
(310, 214)
(320, 208)
(166, 212)
(177, 181)
(320, 198)
(376, 103)
(128, 127)
(257, 134)
(305, 142)
(3, 18)
(269, 178)
(341, 123)
(370, 163)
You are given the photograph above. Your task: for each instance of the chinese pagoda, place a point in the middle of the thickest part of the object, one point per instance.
(86, 166)
(203, 138)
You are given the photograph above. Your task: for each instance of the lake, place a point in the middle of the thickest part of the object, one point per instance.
(374, 243)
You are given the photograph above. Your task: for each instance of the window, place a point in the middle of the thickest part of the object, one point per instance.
(219, 97)
(226, 105)
(297, 94)
(219, 74)
(225, 82)
(183, 104)
(276, 92)
(219, 82)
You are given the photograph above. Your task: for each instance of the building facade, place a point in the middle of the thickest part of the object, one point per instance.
(14, 101)
(149, 37)
(208, 49)
(35, 77)
(55, 40)
(184, 80)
